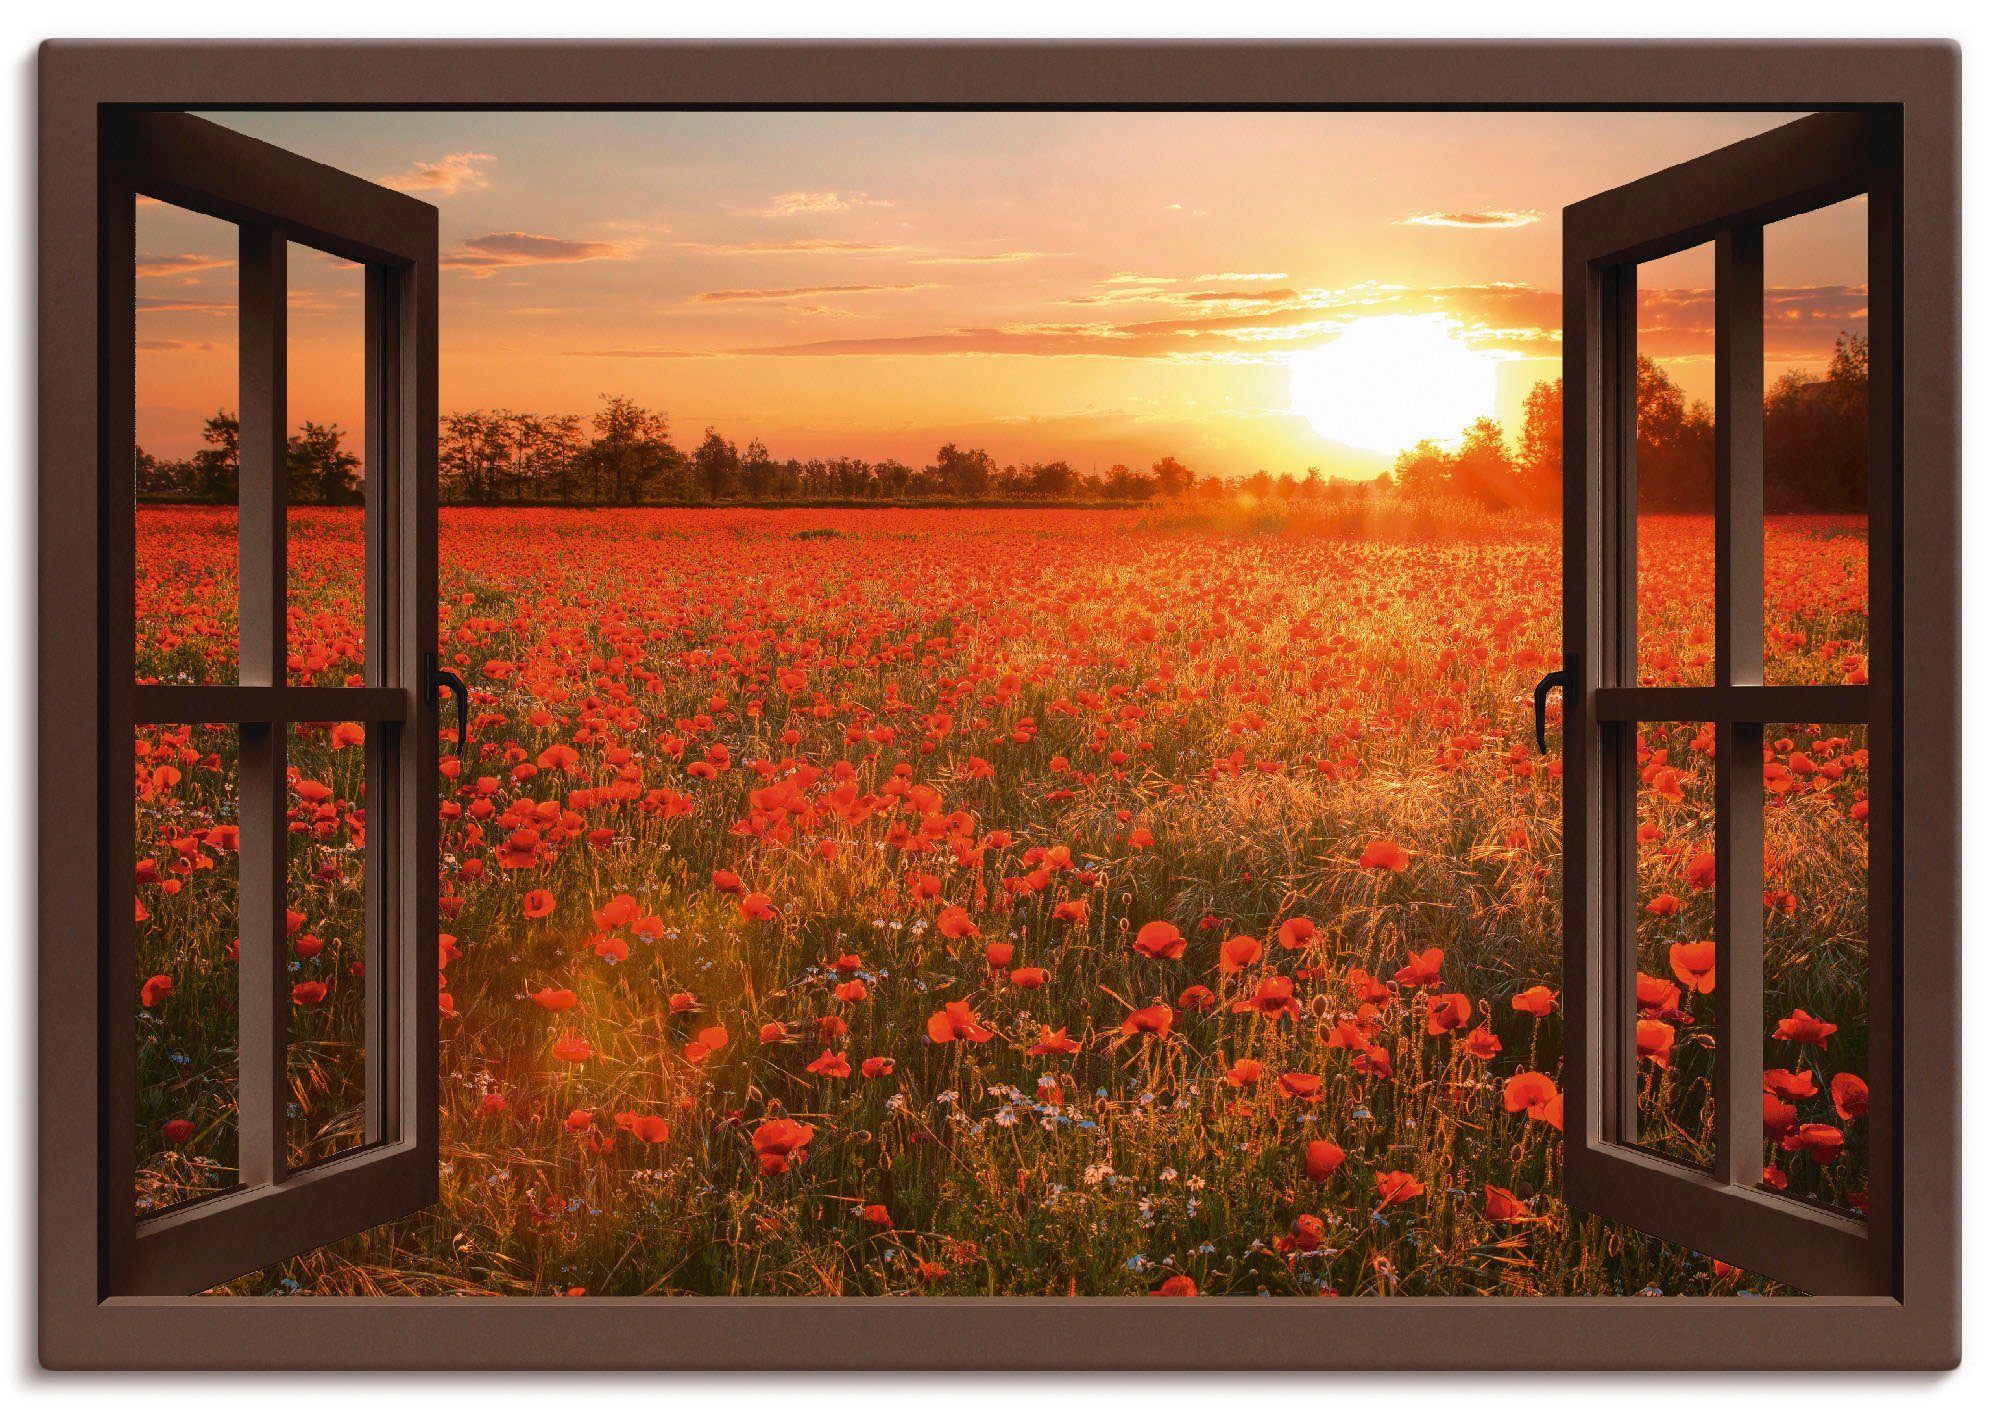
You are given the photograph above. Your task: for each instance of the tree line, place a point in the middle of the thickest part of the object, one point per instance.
(319, 468)
(1815, 444)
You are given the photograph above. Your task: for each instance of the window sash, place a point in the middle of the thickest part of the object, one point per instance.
(1726, 197)
(275, 198)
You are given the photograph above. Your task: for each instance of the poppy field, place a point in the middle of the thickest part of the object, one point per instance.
(999, 901)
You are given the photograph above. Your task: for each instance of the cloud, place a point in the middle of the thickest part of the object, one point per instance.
(175, 345)
(1238, 296)
(147, 303)
(160, 266)
(1241, 326)
(813, 290)
(790, 247)
(1473, 219)
(640, 353)
(1127, 277)
(447, 176)
(483, 254)
(1237, 278)
(1234, 325)
(1000, 257)
(818, 203)
(1800, 321)
(1187, 297)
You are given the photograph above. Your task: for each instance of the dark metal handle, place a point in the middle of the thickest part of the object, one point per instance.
(1555, 679)
(448, 679)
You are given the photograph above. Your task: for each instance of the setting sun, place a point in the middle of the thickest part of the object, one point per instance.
(1386, 383)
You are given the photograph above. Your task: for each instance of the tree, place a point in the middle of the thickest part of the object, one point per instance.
(218, 465)
(963, 474)
(1816, 436)
(318, 469)
(716, 466)
(894, 478)
(542, 455)
(1120, 483)
(156, 478)
(1171, 478)
(759, 471)
(1481, 468)
(472, 451)
(1054, 480)
(1676, 468)
(1541, 453)
(631, 458)
(1424, 471)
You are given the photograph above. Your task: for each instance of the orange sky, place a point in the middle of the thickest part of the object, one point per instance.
(1089, 286)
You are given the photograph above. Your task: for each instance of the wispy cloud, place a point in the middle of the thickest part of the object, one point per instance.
(809, 291)
(1800, 321)
(818, 203)
(1237, 278)
(1193, 297)
(447, 176)
(148, 303)
(999, 257)
(790, 246)
(512, 249)
(1229, 325)
(161, 266)
(1473, 219)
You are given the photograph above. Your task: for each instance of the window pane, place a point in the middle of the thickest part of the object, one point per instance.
(184, 944)
(185, 460)
(1674, 1023)
(326, 916)
(325, 561)
(1816, 447)
(1816, 961)
(1675, 389)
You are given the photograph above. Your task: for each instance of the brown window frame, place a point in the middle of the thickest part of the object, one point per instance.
(1725, 198)
(276, 199)
(1912, 1322)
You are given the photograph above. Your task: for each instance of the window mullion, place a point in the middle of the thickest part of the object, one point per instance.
(1739, 929)
(382, 633)
(1739, 661)
(263, 1011)
(1621, 442)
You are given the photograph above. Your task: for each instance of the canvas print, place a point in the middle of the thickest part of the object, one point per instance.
(1001, 756)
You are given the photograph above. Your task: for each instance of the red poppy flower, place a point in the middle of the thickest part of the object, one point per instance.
(1802, 1027)
(955, 1023)
(1539, 1000)
(1384, 856)
(1394, 1187)
(1159, 940)
(1323, 1158)
(778, 1143)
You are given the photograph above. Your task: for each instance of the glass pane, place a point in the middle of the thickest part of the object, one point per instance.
(1816, 447)
(1816, 961)
(184, 941)
(326, 558)
(326, 914)
(1674, 1023)
(185, 462)
(1676, 469)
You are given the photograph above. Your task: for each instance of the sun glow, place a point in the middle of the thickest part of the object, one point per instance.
(1386, 383)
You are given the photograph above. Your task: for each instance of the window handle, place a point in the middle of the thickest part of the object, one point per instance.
(448, 680)
(1554, 680)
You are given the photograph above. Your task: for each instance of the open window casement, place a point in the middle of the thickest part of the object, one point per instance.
(279, 1204)
(1719, 1204)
